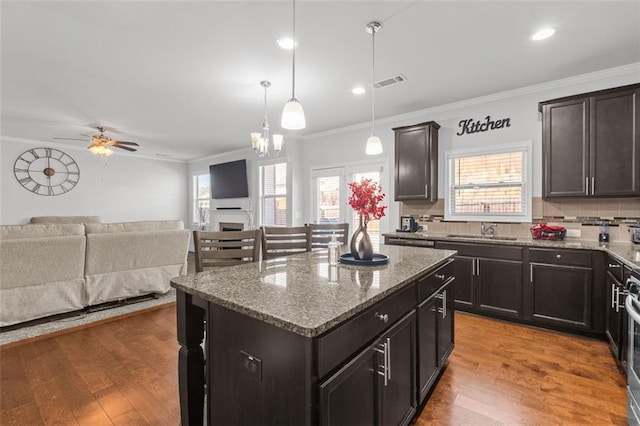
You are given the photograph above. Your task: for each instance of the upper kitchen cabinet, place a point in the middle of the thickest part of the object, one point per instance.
(591, 144)
(416, 171)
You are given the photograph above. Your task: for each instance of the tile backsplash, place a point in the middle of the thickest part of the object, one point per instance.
(583, 215)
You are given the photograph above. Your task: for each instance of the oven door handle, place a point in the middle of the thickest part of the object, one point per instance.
(631, 310)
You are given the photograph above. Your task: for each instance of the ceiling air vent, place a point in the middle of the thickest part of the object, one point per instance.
(390, 81)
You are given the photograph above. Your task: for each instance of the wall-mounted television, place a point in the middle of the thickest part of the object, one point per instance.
(229, 180)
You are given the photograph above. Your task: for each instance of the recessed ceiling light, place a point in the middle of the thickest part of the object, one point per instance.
(359, 90)
(286, 43)
(543, 33)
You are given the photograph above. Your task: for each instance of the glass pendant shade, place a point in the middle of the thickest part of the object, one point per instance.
(374, 145)
(277, 142)
(293, 115)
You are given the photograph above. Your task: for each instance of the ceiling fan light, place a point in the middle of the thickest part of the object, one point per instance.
(277, 142)
(94, 149)
(108, 152)
(374, 145)
(293, 115)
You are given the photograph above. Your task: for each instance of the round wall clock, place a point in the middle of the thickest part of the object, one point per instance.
(46, 171)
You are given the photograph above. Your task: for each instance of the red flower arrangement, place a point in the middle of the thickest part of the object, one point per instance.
(366, 196)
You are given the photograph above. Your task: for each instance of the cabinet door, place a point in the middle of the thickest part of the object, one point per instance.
(464, 291)
(445, 323)
(412, 156)
(565, 148)
(427, 345)
(561, 295)
(350, 397)
(615, 144)
(613, 326)
(499, 287)
(399, 395)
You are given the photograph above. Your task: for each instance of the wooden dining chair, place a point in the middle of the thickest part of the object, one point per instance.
(226, 248)
(321, 234)
(282, 241)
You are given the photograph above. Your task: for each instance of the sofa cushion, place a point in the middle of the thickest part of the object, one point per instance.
(13, 232)
(143, 226)
(65, 219)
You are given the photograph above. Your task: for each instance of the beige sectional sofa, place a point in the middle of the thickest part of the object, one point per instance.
(51, 267)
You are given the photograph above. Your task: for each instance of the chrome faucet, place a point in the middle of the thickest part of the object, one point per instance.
(489, 231)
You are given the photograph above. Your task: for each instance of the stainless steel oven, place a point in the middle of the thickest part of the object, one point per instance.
(633, 366)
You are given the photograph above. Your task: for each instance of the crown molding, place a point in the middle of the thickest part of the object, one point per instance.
(527, 90)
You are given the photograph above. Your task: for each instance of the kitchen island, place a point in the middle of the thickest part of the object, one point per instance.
(294, 341)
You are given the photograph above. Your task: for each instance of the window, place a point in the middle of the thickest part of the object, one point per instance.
(492, 184)
(273, 194)
(201, 198)
(327, 206)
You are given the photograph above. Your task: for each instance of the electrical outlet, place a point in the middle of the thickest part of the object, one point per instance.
(251, 365)
(574, 233)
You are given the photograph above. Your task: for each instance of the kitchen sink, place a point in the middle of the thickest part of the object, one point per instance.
(483, 237)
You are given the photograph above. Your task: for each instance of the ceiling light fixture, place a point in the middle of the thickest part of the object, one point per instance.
(374, 145)
(260, 141)
(292, 114)
(543, 33)
(359, 90)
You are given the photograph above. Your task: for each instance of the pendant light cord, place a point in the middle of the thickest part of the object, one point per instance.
(293, 84)
(265, 124)
(373, 80)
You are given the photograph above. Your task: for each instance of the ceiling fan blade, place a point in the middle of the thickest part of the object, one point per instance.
(86, 136)
(71, 139)
(127, 143)
(125, 147)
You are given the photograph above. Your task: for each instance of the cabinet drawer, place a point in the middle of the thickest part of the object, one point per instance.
(561, 256)
(429, 284)
(341, 343)
(615, 268)
(483, 250)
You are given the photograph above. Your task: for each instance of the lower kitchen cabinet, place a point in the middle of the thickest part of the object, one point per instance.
(616, 324)
(560, 290)
(488, 278)
(377, 385)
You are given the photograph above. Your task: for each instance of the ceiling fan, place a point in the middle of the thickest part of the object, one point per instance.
(101, 144)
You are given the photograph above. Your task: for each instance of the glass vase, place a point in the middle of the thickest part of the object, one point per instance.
(361, 246)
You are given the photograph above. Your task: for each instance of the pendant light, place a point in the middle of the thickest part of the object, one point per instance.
(374, 146)
(292, 114)
(260, 141)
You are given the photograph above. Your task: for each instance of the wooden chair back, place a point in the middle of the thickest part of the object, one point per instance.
(282, 241)
(226, 248)
(321, 234)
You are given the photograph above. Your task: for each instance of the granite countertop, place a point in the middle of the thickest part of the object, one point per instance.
(627, 253)
(302, 294)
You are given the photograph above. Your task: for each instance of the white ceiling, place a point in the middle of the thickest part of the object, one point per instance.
(182, 77)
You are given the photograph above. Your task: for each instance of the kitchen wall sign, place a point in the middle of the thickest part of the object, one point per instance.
(469, 126)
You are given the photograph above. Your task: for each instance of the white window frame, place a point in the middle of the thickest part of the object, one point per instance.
(260, 188)
(526, 148)
(194, 197)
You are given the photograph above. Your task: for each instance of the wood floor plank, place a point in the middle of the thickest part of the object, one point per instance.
(124, 372)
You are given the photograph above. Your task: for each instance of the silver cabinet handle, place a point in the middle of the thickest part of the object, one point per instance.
(388, 361)
(613, 295)
(444, 304)
(440, 276)
(426, 191)
(593, 185)
(617, 299)
(531, 274)
(558, 256)
(382, 317)
(586, 184)
(473, 267)
(478, 267)
(614, 266)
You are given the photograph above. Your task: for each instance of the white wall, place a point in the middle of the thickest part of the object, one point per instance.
(124, 188)
(521, 106)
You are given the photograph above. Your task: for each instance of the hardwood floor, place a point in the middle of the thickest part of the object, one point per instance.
(124, 372)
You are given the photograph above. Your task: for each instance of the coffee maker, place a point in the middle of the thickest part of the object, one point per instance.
(408, 224)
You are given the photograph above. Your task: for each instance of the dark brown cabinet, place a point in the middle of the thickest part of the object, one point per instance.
(560, 290)
(591, 144)
(616, 326)
(435, 329)
(488, 278)
(416, 162)
(379, 381)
